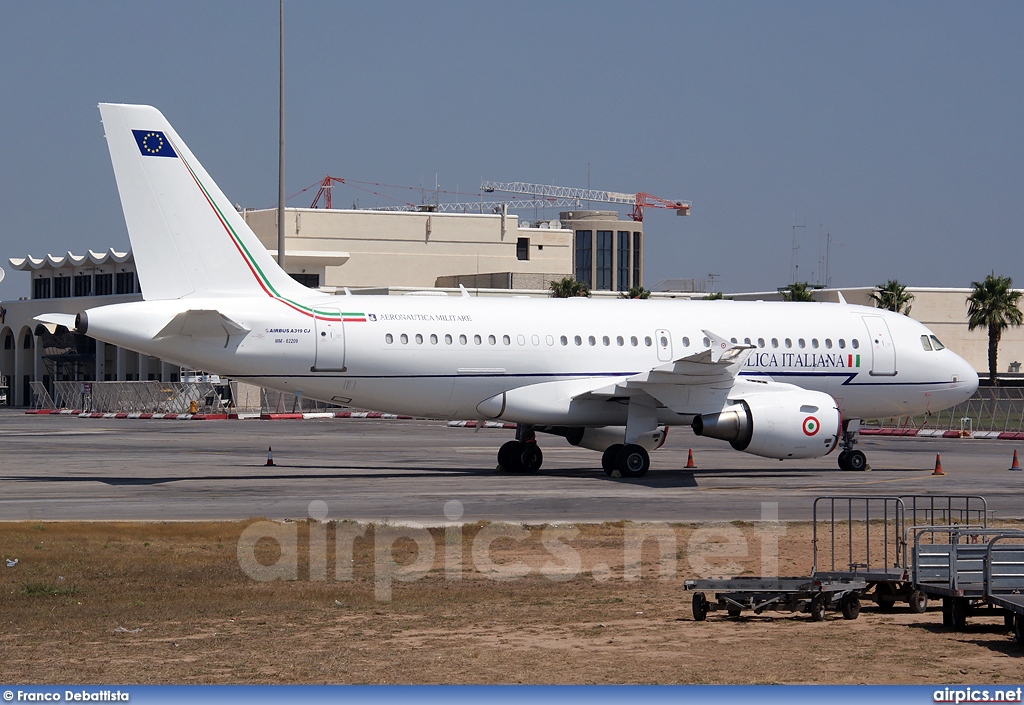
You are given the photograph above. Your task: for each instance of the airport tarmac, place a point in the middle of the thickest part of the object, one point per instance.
(66, 468)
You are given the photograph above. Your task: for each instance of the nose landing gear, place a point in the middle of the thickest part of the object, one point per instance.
(850, 459)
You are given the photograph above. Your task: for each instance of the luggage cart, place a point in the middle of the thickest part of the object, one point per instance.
(865, 537)
(955, 571)
(1004, 580)
(811, 595)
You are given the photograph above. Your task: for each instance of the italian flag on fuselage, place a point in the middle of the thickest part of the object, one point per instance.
(349, 317)
(850, 359)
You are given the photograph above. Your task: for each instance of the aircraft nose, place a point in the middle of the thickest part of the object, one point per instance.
(968, 378)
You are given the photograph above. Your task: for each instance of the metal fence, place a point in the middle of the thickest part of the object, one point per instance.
(993, 409)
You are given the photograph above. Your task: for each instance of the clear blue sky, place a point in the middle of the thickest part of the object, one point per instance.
(894, 126)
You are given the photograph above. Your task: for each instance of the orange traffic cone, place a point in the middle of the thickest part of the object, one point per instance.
(689, 459)
(938, 466)
(270, 457)
(1016, 464)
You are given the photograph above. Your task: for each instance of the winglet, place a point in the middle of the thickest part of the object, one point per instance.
(722, 349)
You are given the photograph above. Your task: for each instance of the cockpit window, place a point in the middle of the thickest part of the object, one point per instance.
(936, 343)
(925, 343)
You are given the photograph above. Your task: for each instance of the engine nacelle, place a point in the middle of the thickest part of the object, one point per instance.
(783, 424)
(600, 438)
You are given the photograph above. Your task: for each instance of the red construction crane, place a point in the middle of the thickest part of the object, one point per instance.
(639, 200)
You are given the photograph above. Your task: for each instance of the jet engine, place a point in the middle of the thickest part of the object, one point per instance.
(783, 424)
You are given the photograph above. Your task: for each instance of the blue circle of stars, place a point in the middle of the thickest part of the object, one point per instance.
(159, 142)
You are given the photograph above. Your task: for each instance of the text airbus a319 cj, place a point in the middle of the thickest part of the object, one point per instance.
(779, 380)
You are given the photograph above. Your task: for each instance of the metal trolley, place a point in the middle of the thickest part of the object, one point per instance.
(865, 537)
(1004, 580)
(810, 595)
(958, 571)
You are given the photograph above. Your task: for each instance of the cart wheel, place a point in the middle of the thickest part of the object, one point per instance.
(700, 607)
(1018, 629)
(959, 612)
(817, 608)
(885, 596)
(850, 605)
(918, 602)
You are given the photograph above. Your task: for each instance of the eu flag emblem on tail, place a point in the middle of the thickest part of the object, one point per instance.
(153, 143)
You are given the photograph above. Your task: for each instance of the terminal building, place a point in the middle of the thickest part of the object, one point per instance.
(379, 252)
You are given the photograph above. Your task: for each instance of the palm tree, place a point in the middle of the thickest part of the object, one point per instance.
(993, 304)
(635, 292)
(797, 291)
(892, 296)
(715, 296)
(567, 287)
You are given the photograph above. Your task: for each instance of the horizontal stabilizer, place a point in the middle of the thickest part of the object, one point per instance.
(52, 320)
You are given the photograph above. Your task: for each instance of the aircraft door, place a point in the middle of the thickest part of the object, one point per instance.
(883, 352)
(330, 341)
(663, 339)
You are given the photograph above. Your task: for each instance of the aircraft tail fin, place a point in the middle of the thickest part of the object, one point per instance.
(187, 238)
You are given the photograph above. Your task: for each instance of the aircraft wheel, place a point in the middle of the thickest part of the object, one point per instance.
(856, 460)
(508, 456)
(633, 460)
(608, 459)
(531, 458)
(844, 457)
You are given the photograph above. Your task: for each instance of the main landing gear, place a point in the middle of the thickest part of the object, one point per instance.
(630, 460)
(522, 455)
(850, 459)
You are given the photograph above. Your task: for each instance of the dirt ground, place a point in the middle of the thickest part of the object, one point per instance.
(345, 603)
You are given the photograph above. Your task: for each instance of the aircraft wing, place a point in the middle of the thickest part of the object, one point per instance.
(202, 324)
(52, 320)
(689, 384)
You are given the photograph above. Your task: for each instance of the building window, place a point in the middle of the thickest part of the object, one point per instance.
(637, 260)
(27, 343)
(104, 284)
(41, 288)
(126, 282)
(622, 261)
(584, 245)
(83, 285)
(604, 260)
(310, 281)
(523, 248)
(62, 287)
(9, 342)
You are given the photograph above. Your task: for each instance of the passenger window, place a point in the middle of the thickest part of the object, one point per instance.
(447, 339)
(801, 342)
(775, 342)
(828, 343)
(937, 344)
(492, 340)
(462, 339)
(433, 338)
(535, 340)
(633, 341)
(578, 340)
(563, 340)
(925, 343)
(606, 340)
(521, 339)
(686, 342)
(477, 339)
(619, 341)
(592, 340)
(707, 342)
(855, 344)
(814, 343)
(746, 341)
(733, 340)
(842, 343)
(404, 339)
(647, 341)
(506, 340)
(760, 342)
(419, 339)
(789, 343)
(389, 339)
(550, 340)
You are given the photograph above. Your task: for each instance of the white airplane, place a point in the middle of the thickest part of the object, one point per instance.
(779, 380)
